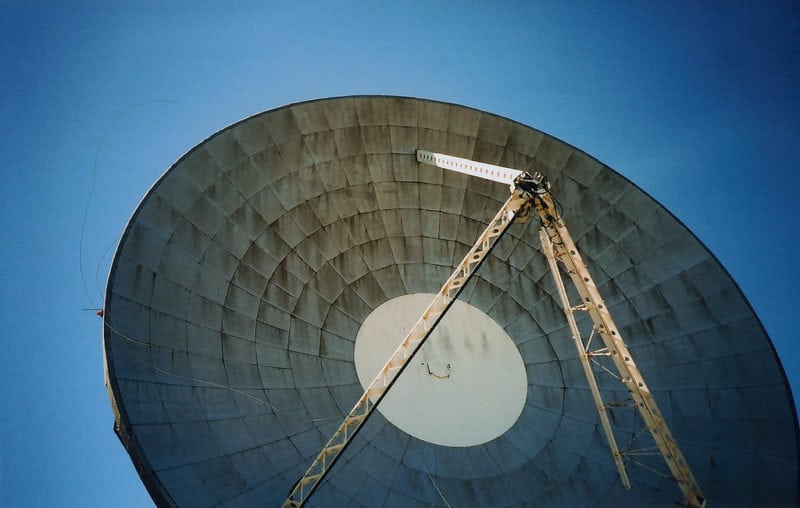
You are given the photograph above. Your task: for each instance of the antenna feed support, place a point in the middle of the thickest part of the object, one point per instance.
(536, 184)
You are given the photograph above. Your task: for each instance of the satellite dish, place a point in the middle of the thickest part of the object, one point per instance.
(244, 279)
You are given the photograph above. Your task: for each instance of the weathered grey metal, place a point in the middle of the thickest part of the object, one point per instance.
(242, 278)
(406, 350)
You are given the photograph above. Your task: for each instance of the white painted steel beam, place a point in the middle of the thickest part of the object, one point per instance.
(480, 169)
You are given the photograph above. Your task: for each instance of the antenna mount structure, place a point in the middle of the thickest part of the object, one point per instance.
(528, 192)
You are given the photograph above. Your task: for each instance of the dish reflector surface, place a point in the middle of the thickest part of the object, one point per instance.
(243, 278)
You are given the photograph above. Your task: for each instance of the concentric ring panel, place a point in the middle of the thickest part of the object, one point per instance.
(243, 278)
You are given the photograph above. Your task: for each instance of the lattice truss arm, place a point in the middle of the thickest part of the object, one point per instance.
(416, 337)
(559, 246)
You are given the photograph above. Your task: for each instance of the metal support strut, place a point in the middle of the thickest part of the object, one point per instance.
(418, 334)
(583, 354)
(558, 244)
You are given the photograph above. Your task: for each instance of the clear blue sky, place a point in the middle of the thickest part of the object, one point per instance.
(696, 102)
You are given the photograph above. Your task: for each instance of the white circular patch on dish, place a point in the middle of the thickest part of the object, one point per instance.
(466, 386)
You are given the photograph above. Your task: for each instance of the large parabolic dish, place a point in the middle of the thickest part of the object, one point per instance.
(248, 278)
